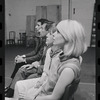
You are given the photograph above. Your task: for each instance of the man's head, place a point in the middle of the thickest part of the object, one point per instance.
(44, 27)
(39, 24)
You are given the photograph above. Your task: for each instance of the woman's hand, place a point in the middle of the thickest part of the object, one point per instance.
(25, 97)
(28, 98)
(38, 84)
(25, 66)
(35, 64)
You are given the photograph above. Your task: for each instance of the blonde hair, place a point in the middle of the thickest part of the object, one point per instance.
(74, 34)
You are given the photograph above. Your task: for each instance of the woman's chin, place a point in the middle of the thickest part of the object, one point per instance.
(54, 43)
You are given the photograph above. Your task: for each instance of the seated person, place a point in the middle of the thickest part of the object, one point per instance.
(63, 65)
(36, 54)
(36, 68)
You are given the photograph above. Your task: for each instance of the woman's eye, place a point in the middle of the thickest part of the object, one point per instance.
(50, 33)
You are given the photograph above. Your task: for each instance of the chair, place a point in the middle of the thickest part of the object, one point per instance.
(70, 90)
(31, 42)
(11, 40)
(22, 40)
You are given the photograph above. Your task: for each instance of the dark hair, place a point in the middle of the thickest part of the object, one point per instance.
(42, 21)
(49, 25)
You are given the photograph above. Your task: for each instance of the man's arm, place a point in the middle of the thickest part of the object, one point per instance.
(37, 57)
(34, 52)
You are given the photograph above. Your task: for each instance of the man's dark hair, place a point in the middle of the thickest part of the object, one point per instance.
(49, 25)
(42, 21)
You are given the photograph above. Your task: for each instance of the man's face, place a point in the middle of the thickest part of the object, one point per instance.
(42, 31)
(38, 26)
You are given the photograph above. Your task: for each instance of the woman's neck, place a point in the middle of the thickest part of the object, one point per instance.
(54, 48)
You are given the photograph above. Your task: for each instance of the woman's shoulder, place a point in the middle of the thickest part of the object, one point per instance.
(49, 50)
(73, 63)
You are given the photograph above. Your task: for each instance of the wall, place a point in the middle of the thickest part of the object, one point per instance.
(18, 10)
(64, 9)
(84, 14)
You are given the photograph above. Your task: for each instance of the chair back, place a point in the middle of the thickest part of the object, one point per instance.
(22, 36)
(70, 90)
(12, 35)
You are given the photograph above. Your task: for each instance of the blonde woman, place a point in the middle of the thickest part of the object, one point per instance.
(63, 64)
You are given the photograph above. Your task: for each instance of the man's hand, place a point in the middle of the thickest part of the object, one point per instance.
(19, 59)
(16, 58)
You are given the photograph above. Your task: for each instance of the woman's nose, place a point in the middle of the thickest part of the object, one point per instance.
(54, 34)
(36, 26)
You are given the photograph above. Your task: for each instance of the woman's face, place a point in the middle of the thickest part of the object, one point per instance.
(58, 38)
(49, 39)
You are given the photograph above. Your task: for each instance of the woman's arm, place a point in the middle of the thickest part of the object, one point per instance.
(43, 77)
(46, 66)
(65, 79)
(37, 92)
(41, 80)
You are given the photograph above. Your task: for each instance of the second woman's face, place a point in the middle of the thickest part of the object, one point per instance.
(51, 31)
(49, 39)
(58, 38)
